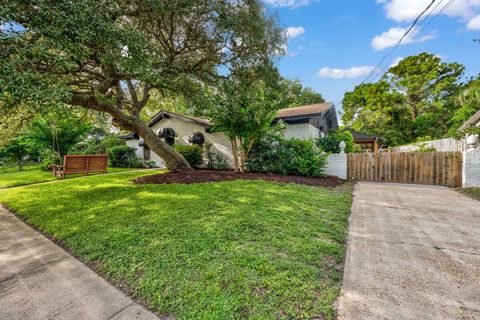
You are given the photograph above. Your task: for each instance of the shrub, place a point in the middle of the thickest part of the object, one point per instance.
(424, 147)
(48, 157)
(123, 157)
(275, 154)
(193, 154)
(330, 143)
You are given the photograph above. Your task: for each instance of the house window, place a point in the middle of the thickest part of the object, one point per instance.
(146, 152)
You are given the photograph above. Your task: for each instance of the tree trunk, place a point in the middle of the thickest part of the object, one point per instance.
(242, 156)
(173, 158)
(233, 141)
(19, 163)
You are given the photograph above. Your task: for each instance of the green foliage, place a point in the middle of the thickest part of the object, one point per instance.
(47, 158)
(58, 134)
(223, 250)
(16, 150)
(273, 153)
(424, 147)
(192, 153)
(244, 111)
(331, 141)
(468, 102)
(413, 99)
(97, 142)
(123, 157)
(214, 160)
(295, 94)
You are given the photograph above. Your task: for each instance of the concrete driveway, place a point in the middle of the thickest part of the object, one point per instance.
(39, 280)
(413, 253)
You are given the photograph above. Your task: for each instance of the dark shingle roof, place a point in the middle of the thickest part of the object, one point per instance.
(359, 136)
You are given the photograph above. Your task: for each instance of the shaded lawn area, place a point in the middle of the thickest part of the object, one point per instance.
(224, 250)
(34, 175)
(471, 192)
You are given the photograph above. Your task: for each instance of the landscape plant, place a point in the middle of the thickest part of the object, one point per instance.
(243, 111)
(331, 141)
(123, 157)
(192, 153)
(275, 154)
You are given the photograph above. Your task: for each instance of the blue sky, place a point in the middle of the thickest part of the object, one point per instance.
(333, 45)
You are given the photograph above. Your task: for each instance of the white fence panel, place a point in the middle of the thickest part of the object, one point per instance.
(447, 144)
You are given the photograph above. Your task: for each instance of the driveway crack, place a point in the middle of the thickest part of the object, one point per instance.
(429, 246)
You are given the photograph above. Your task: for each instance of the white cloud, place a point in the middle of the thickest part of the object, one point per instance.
(408, 10)
(293, 32)
(474, 24)
(287, 3)
(391, 37)
(396, 61)
(353, 72)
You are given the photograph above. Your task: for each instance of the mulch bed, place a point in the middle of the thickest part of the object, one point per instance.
(195, 176)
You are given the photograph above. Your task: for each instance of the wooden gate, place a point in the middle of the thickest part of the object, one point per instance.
(437, 168)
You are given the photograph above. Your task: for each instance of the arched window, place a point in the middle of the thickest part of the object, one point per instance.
(197, 138)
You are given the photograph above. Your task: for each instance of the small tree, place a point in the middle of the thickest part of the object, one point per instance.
(244, 112)
(16, 150)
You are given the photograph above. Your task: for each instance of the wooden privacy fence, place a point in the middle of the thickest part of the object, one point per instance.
(437, 168)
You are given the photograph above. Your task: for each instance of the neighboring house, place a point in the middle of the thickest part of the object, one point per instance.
(311, 121)
(303, 122)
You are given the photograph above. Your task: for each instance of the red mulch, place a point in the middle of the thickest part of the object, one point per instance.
(195, 176)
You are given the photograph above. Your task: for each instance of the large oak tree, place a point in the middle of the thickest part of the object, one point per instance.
(414, 99)
(107, 55)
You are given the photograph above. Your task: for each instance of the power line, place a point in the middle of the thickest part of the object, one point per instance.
(399, 42)
(419, 27)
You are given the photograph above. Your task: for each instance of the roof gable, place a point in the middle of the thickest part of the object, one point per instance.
(167, 114)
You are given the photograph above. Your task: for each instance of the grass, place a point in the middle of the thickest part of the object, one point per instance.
(12, 168)
(471, 192)
(34, 175)
(224, 250)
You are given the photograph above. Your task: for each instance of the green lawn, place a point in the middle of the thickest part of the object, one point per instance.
(471, 192)
(225, 250)
(35, 175)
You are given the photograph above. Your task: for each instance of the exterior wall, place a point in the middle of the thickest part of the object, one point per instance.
(301, 131)
(183, 129)
(337, 165)
(471, 169)
(134, 144)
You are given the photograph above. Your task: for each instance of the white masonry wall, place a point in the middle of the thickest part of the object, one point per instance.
(471, 169)
(337, 165)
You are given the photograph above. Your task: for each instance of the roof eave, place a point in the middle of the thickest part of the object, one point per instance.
(471, 121)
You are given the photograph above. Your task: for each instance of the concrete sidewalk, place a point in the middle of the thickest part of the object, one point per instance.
(39, 280)
(413, 253)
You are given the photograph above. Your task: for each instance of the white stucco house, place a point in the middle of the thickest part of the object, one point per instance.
(304, 122)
